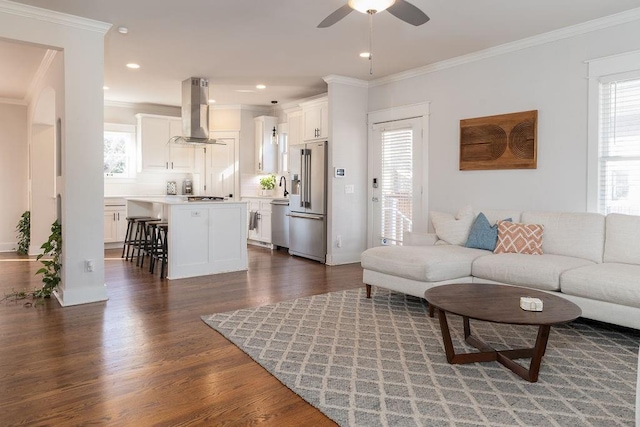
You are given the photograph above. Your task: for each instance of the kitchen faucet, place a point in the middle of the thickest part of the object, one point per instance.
(285, 185)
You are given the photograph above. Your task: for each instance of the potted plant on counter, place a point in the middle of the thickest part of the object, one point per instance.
(268, 183)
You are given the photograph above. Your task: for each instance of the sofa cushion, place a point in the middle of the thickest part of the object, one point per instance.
(579, 235)
(537, 272)
(483, 235)
(519, 238)
(423, 263)
(610, 282)
(453, 230)
(623, 239)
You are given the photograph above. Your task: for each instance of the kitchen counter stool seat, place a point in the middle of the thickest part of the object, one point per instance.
(129, 235)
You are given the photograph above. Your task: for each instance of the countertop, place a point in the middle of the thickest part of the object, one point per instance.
(179, 200)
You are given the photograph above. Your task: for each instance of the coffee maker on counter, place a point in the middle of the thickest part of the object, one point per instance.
(187, 187)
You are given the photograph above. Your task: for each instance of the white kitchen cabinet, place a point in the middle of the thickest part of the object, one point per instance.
(262, 232)
(266, 151)
(295, 128)
(156, 154)
(115, 220)
(315, 119)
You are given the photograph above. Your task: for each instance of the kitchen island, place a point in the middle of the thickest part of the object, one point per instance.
(205, 237)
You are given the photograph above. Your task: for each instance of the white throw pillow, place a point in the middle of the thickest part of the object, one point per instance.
(453, 230)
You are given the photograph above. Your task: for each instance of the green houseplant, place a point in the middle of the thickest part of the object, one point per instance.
(268, 182)
(52, 266)
(50, 270)
(24, 233)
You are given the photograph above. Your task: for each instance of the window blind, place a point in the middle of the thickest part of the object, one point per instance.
(619, 146)
(396, 184)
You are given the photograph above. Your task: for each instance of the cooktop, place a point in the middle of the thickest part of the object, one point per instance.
(205, 199)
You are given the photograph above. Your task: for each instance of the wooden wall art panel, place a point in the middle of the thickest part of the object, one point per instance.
(505, 141)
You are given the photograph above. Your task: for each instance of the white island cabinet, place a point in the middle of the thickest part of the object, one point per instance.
(205, 237)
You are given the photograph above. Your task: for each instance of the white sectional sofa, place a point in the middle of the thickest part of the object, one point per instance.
(588, 258)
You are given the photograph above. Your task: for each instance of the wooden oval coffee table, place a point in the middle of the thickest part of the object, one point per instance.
(499, 304)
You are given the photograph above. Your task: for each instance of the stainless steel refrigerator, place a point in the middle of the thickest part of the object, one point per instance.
(307, 201)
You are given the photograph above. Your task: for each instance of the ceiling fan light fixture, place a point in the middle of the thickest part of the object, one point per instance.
(365, 6)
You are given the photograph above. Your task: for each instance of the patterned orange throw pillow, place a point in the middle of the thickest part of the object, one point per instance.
(519, 238)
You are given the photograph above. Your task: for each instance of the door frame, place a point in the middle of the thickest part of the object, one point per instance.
(411, 111)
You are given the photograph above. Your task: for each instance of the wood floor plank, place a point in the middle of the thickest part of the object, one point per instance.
(144, 357)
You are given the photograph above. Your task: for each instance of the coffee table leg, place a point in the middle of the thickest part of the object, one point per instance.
(486, 354)
(446, 335)
(538, 352)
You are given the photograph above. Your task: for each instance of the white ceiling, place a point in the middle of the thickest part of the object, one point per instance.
(237, 44)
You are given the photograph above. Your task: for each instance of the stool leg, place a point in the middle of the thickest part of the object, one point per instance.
(154, 249)
(127, 237)
(134, 243)
(165, 255)
(144, 244)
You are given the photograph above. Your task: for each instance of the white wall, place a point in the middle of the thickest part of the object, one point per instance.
(347, 213)
(550, 78)
(144, 183)
(14, 172)
(81, 95)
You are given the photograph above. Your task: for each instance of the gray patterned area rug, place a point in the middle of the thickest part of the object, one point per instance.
(380, 361)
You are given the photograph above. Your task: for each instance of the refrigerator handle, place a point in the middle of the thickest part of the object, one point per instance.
(308, 195)
(302, 177)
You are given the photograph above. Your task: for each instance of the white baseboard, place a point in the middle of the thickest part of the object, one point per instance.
(339, 259)
(8, 247)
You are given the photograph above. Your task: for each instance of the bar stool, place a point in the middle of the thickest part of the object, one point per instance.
(141, 238)
(159, 248)
(164, 237)
(128, 236)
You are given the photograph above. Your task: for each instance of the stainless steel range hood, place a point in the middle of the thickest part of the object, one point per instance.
(195, 113)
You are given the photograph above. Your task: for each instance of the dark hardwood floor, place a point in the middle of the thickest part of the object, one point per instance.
(144, 357)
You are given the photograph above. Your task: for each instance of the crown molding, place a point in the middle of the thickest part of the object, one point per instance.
(334, 78)
(41, 72)
(551, 36)
(13, 101)
(53, 17)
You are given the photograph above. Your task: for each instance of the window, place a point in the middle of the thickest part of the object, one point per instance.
(396, 184)
(614, 130)
(119, 150)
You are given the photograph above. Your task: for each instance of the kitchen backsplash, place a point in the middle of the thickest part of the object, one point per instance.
(145, 184)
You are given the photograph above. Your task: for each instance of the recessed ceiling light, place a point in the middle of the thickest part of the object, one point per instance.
(261, 87)
(105, 87)
(245, 90)
(123, 30)
(365, 55)
(133, 66)
(212, 101)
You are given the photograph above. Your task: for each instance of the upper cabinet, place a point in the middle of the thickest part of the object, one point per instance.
(315, 119)
(266, 148)
(156, 154)
(294, 120)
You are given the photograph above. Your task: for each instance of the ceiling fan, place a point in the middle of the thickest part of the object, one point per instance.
(401, 9)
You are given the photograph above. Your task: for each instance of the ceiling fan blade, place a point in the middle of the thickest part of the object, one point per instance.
(407, 12)
(335, 16)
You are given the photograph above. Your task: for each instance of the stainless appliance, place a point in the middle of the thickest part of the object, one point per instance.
(307, 201)
(195, 113)
(187, 187)
(205, 199)
(280, 223)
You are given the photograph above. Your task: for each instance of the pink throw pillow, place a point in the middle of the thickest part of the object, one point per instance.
(519, 238)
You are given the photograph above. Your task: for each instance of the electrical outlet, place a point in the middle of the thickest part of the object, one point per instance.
(348, 189)
(339, 241)
(88, 266)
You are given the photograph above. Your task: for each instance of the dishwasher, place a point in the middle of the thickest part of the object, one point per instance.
(280, 223)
